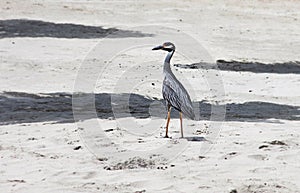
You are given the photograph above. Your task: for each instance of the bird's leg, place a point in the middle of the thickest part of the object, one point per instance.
(180, 114)
(168, 120)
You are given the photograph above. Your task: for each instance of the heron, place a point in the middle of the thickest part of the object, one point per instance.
(173, 91)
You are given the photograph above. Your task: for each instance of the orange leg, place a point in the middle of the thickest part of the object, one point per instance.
(168, 120)
(180, 113)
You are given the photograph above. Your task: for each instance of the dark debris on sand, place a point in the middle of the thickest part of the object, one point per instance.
(133, 163)
(276, 142)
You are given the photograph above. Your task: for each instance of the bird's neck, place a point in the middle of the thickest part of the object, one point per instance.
(167, 67)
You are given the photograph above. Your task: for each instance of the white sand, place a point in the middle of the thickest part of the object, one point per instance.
(255, 154)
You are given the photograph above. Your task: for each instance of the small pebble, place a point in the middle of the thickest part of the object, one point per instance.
(78, 147)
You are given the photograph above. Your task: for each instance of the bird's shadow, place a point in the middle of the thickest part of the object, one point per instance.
(196, 139)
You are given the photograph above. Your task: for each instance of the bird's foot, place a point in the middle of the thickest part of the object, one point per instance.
(166, 136)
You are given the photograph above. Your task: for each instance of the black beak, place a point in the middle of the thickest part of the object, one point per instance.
(158, 48)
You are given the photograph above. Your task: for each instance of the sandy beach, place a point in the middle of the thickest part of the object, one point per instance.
(81, 108)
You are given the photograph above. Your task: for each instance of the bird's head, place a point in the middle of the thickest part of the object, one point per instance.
(167, 46)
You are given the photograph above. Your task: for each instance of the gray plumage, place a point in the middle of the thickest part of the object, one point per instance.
(173, 91)
(176, 95)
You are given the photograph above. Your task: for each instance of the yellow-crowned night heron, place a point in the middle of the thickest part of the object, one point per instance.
(173, 91)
